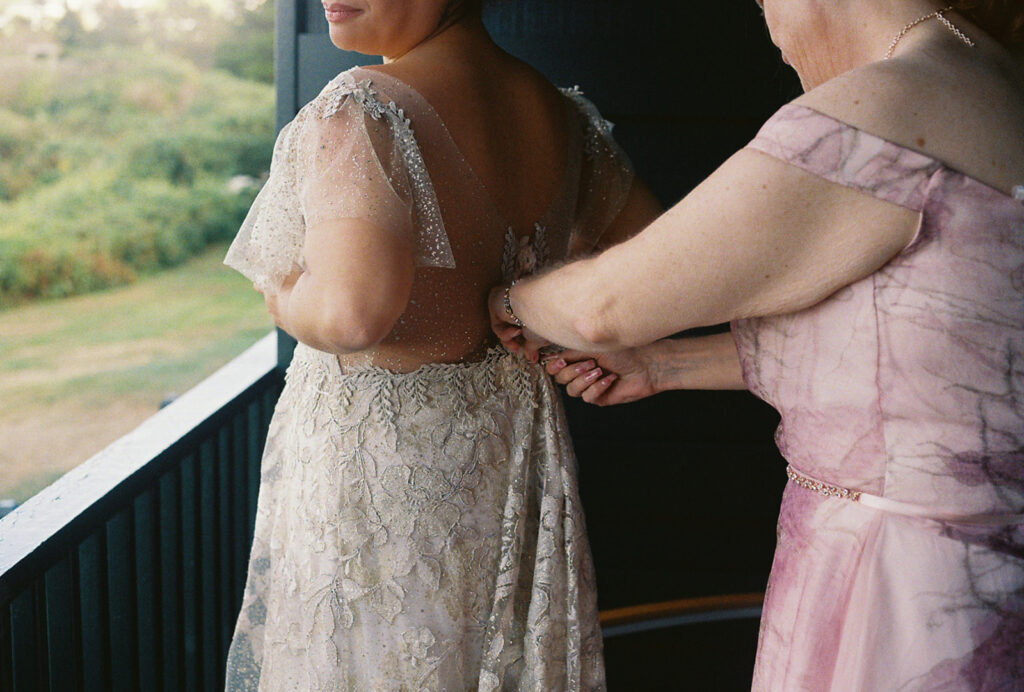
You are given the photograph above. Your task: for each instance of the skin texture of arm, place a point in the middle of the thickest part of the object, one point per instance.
(356, 284)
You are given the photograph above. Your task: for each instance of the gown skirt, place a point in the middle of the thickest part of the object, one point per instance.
(418, 531)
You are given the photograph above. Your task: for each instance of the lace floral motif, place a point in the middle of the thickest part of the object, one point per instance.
(524, 255)
(403, 508)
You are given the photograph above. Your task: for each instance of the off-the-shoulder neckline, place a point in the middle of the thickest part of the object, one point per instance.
(939, 162)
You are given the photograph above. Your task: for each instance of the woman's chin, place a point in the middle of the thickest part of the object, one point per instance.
(347, 40)
(340, 38)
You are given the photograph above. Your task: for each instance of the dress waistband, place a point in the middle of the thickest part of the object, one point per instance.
(903, 508)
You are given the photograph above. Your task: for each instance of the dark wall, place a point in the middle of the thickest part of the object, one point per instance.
(681, 491)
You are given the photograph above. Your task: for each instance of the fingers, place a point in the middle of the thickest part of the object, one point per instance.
(594, 394)
(496, 306)
(554, 365)
(564, 374)
(509, 336)
(507, 332)
(567, 358)
(590, 385)
(582, 379)
(580, 383)
(571, 356)
(531, 349)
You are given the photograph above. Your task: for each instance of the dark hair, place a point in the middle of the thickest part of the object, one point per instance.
(1003, 20)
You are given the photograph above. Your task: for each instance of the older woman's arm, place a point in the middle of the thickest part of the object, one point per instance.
(619, 377)
(356, 285)
(758, 237)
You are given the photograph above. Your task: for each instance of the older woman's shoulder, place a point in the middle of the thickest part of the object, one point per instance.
(938, 109)
(867, 98)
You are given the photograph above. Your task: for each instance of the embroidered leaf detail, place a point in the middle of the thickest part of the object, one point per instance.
(429, 571)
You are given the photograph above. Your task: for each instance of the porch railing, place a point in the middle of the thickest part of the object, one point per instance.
(126, 574)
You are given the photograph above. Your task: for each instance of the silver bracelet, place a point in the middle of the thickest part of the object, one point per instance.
(508, 306)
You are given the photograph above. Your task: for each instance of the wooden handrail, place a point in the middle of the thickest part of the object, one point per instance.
(686, 606)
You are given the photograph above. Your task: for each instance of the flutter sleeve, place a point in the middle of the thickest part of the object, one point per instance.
(347, 155)
(361, 160)
(268, 246)
(606, 175)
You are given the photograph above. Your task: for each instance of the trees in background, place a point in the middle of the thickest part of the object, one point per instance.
(118, 157)
(245, 51)
(234, 35)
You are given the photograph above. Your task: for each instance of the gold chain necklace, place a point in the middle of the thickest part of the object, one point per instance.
(938, 14)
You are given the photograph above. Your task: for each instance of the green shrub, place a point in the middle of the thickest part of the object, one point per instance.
(141, 227)
(116, 164)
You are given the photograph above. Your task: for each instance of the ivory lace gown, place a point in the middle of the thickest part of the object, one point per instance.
(419, 525)
(900, 558)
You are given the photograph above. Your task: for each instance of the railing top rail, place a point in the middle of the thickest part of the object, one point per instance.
(26, 532)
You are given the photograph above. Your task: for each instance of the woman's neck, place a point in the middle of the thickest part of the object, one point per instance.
(858, 33)
(460, 35)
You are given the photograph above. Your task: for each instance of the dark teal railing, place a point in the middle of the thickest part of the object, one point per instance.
(126, 574)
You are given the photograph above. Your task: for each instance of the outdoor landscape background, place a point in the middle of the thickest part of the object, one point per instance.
(134, 134)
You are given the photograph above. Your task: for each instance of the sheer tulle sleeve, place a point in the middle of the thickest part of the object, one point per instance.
(343, 176)
(606, 176)
(347, 155)
(364, 162)
(268, 246)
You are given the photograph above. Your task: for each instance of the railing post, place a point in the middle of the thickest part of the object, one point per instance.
(60, 644)
(95, 629)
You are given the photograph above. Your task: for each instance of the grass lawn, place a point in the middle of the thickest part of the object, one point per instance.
(77, 373)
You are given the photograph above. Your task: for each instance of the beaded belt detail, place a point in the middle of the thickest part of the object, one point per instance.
(821, 488)
(902, 508)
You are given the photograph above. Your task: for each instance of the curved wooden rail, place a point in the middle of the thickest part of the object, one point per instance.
(648, 616)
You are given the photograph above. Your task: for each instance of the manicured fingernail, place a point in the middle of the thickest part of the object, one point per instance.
(559, 363)
(593, 375)
(608, 380)
(584, 366)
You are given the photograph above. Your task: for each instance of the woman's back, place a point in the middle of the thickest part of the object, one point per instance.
(509, 203)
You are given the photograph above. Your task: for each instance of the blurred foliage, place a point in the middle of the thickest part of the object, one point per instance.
(115, 163)
(249, 49)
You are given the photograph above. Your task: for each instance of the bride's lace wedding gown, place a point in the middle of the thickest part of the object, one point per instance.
(419, 524)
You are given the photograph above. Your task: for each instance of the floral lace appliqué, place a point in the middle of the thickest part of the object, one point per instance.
(524, 255)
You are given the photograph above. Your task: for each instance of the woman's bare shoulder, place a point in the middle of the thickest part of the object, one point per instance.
(939, 109)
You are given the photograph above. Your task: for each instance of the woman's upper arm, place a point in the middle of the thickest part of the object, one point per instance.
(758, 237)
(359, 249)
(363, 272)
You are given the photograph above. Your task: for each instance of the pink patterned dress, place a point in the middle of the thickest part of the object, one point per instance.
(900, 558)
